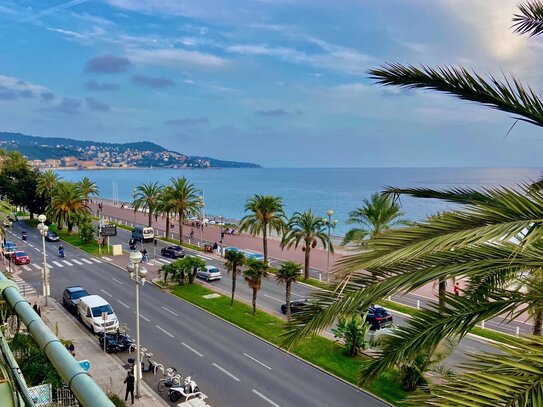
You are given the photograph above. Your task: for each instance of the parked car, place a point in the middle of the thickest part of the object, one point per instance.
(248, 255)
(173, 252)
(378, 317)
(90, 309)
(71, 297)
(20, 257)
(51, 237)
(295, 306)
(209, 273)
(9, 248)
(143, 234)
(12, 218)
(6, 224)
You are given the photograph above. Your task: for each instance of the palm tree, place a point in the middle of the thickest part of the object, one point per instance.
(308, 228)
(88, 188)
(376, 214)
(496, 242)
(165, 206)
(67, 205)
(255, 272)
(182, 199)
(47, 183)
(192, 263)
(234, 260)
(266, 215)
(146, 196)
(288, 273)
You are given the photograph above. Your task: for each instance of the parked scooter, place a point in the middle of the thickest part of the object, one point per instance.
(132, 244)
(23, 235)
(61, 252)
(116, 342)
(189, 388)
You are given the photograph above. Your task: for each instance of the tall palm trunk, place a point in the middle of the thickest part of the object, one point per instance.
(538, 322)
(265, 243)
(234, 272)
(442, 291)
(70, 228)
(150, 217)
(167, 224)
(180, 227)
(254, 301)
(306, 261)
(287, 298)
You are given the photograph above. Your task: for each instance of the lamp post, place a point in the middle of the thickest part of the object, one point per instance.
(42, 227)
(222, 235)
(201, 205)
(137, 274)
(331, 224)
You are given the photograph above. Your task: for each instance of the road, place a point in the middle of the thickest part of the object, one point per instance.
(230, 366)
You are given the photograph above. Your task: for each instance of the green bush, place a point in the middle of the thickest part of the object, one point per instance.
(116, 400)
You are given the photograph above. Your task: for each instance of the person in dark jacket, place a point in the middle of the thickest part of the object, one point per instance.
(129, 380)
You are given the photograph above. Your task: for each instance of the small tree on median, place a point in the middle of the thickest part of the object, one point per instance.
(288, 273)
(234, 260)
(256, 270)
(353, 330)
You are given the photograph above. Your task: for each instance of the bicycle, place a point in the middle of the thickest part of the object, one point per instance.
(172, 378)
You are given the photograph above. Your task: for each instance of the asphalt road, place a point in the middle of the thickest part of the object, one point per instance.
(230, 366)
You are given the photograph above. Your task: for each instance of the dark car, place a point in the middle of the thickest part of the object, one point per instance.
(378, 317)
(71, 297)
(173, 252)
(295, 306)
(51, 237)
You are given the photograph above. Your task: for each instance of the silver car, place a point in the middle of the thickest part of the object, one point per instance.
(209, 273)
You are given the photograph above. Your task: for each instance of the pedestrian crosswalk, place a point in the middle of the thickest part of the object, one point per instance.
(61, 263)
(24, 288)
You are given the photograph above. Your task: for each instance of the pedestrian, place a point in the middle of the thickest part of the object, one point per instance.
(129, 380)
(456, 289)
(216, 247)
(122, 206)
(172, 225)
(37, 309)
(192, 234)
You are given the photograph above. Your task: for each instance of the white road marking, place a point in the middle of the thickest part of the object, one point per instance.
(204, 257)
(164, 261)
(27, 268)
(77, 262)
(67, 262)
(147, 319)
(106, 293)
(56, 263)
(265, 398)
(226, 372)
(273, 298)
(192, 349)
(30, 245)
(123, 304)
(95, 260)
(163, 330)
(117, 281)
(298, 295)
(37, 266)
(170, 311)
(258, 361)
(38, 250)
(86, 261)
(106, 258)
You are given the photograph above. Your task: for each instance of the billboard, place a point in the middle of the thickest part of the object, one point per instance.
(108, 230)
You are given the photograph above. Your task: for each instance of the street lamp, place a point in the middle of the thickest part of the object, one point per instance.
(42, 227)
(137, 274)
(201, 205)
(331, 224)
(222, 235)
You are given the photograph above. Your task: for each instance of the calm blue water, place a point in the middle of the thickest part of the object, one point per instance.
(342, 189)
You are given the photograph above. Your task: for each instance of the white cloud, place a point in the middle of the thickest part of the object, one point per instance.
(176, 58)
(10, 83)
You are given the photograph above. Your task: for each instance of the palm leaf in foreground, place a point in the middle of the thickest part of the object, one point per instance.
(508, 96)
(530, 19)
(512, 378)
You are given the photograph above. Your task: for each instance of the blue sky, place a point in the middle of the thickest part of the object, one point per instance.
(279, 82)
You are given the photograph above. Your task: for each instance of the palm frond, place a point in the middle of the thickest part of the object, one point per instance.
(530, 18)
(508, 96)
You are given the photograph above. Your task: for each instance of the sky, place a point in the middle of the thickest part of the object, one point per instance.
(282, 83)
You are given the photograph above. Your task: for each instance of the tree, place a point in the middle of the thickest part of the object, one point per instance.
(265, 215)
(353, 329)
(47, 182)
(495, 241)
(234, 260)
(183, 199)
(88, 188)
(146, 197)
(165, 206)
(255, 272)
(288, 273)
(67, 205)
(87, 230)
(377, 214)
(308, 228)
(191, 264)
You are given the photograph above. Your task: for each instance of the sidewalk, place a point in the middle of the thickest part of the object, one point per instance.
(106, 370)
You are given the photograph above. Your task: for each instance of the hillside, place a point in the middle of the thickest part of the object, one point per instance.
(93, 154)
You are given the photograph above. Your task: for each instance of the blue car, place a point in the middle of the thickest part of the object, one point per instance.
(249, 255)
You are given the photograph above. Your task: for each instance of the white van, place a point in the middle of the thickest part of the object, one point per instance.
(143, 234)
(89, 311)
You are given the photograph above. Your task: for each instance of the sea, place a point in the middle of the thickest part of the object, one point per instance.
(342, 190)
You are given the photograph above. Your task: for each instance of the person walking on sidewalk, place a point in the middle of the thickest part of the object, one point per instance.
(129, 380)
(456, 289)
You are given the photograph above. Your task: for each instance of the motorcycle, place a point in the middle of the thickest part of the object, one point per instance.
(189, 388)
(23, 235)
(132, 244)
(61, 252)
(116, 342)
